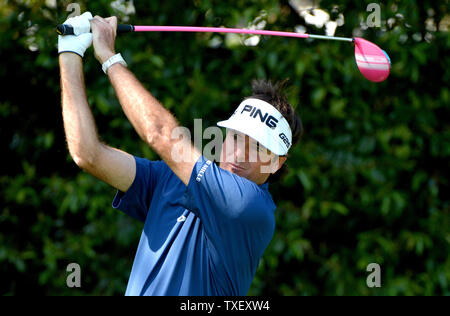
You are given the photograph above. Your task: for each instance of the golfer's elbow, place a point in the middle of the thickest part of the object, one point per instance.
(85, 158)
(152, 132)
(82, 162)
(160, 134)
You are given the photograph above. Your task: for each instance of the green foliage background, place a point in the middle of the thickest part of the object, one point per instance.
(366, 184)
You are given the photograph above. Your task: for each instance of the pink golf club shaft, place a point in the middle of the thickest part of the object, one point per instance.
(142, 28)
(64, 29)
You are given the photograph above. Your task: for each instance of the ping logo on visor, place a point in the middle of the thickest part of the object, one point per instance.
(262, 122)
(266, 118)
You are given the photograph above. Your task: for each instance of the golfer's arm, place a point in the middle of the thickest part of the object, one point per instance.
(110, 165)
(152, 121)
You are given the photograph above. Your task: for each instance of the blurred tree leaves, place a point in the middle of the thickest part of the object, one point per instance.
(366, 184)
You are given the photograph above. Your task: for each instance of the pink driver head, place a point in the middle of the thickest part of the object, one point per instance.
(372, 61)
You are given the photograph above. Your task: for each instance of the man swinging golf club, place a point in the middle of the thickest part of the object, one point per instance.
(205, 226)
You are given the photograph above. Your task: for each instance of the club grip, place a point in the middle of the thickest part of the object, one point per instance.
(65, 29)
(125, 28)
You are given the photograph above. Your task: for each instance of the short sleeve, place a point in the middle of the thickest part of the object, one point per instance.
(136, 201)
(231, 208)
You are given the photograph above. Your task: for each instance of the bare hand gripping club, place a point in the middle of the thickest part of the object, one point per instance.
(373, 62)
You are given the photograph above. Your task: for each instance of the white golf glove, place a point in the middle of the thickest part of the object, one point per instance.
(82, 39)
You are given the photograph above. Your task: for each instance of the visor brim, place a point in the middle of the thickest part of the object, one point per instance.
(251, 131)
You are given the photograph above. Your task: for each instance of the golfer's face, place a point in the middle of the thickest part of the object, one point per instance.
(245, 157)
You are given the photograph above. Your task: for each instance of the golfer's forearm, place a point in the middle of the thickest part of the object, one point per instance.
(151, 120)
(79, 124)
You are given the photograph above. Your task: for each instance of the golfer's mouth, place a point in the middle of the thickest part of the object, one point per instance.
(236, 167)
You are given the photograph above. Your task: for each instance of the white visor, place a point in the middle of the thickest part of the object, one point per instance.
(262, 122)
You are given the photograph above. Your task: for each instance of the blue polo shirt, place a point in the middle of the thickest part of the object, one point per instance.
(205, 238)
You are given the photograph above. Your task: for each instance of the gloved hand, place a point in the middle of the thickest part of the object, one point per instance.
(82, 39)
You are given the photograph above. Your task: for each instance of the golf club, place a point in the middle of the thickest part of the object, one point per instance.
(373, 62)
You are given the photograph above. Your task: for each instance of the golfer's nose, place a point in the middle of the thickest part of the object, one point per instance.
(240, 152)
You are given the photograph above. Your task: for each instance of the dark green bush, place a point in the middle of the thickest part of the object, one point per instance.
(366, 184)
